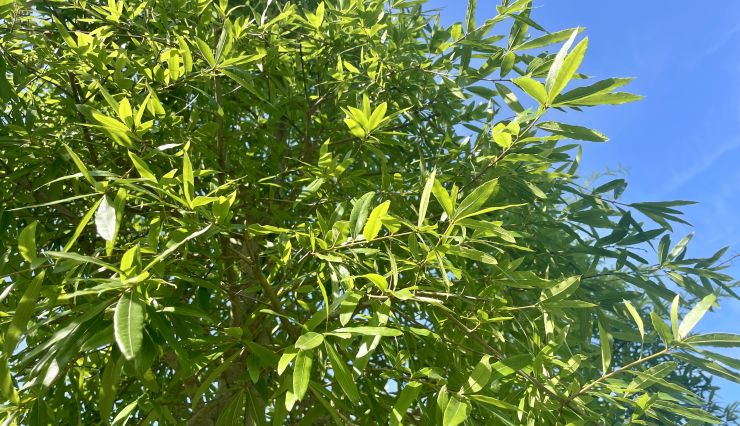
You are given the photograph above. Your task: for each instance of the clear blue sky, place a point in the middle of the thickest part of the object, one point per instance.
(683, 140)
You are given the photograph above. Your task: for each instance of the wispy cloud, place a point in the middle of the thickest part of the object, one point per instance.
(721, 42)
(702, 164)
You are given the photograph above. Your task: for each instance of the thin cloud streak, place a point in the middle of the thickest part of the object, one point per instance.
(699, 167)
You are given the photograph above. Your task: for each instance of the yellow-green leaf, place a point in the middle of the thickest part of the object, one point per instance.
(374, 223)
(128, 324)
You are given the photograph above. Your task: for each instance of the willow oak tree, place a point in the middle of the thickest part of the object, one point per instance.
(262, 212)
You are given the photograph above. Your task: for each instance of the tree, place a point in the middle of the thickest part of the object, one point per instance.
(275, 213)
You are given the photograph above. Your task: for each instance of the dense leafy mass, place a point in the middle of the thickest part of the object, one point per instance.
(272, 212)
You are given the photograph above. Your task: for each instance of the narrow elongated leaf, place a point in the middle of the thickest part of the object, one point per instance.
(636, 317)
(443, 198)
(485, 399)
(661, 328)
(359, 213)
(128, 324)
(573, 132)
(302, 373)
(564, 66)
(380, 281)
(456, 412)
(27, 241)
(580, 94)
(480, 376)
(476, 199)
(533, 88)
(81, 226)
(549, 39)
(80, 165)
(693, 317)
(342, 374)
(233, 414)
(8, 391)
(105, 219)
(424, 201)
(175, 246)
(23, 312)
(606, 347)
(205, 50)
(370, 331)
(188, 182)
(405, 398)
(719, 340)
(309, 340)
(141, 167)
(374, 221)
(562, 290)
(674, 317)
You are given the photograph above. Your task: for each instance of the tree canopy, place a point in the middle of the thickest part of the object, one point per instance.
(274, 212)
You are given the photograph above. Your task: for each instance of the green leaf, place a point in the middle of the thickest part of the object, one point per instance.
(661, 328)
(456, 412)
(105, 219)
(686, 412)
(476, 199)
(124, 414)
(424, 201)
(374, 224)
(564, 66)
(680, 246)
(480, 376)
(27, 241)
(128, 324)
(443, 198)
(472, 254)
(80, 165)
(509, 97)
(719, 340)
(405, 398)
(233, 413)
(549, 39)
(141, 167)
(507, 367)
(347, 306)
(378, 280)
(342, 374)
(173, 247)
(533, 88)
(663, 247)
(23, 313)
(309, 340)
(494, 402)
(81, 226)
(302, 373)
(693, 317)
(205, 50)
(650, 376)
(636, 317)
(7, 387)
(119, 132)
(573, 132)
(581, 95)
(188, 181)
(109, 386)
(370, 331)
(674, 317)
(562, 290)
(606, 347)
(359, 213)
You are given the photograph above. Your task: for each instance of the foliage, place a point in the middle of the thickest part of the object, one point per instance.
(266, 212)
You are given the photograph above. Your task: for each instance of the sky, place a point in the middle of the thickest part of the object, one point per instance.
(683, 140)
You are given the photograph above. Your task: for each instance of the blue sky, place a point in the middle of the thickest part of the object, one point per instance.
(683, 140)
